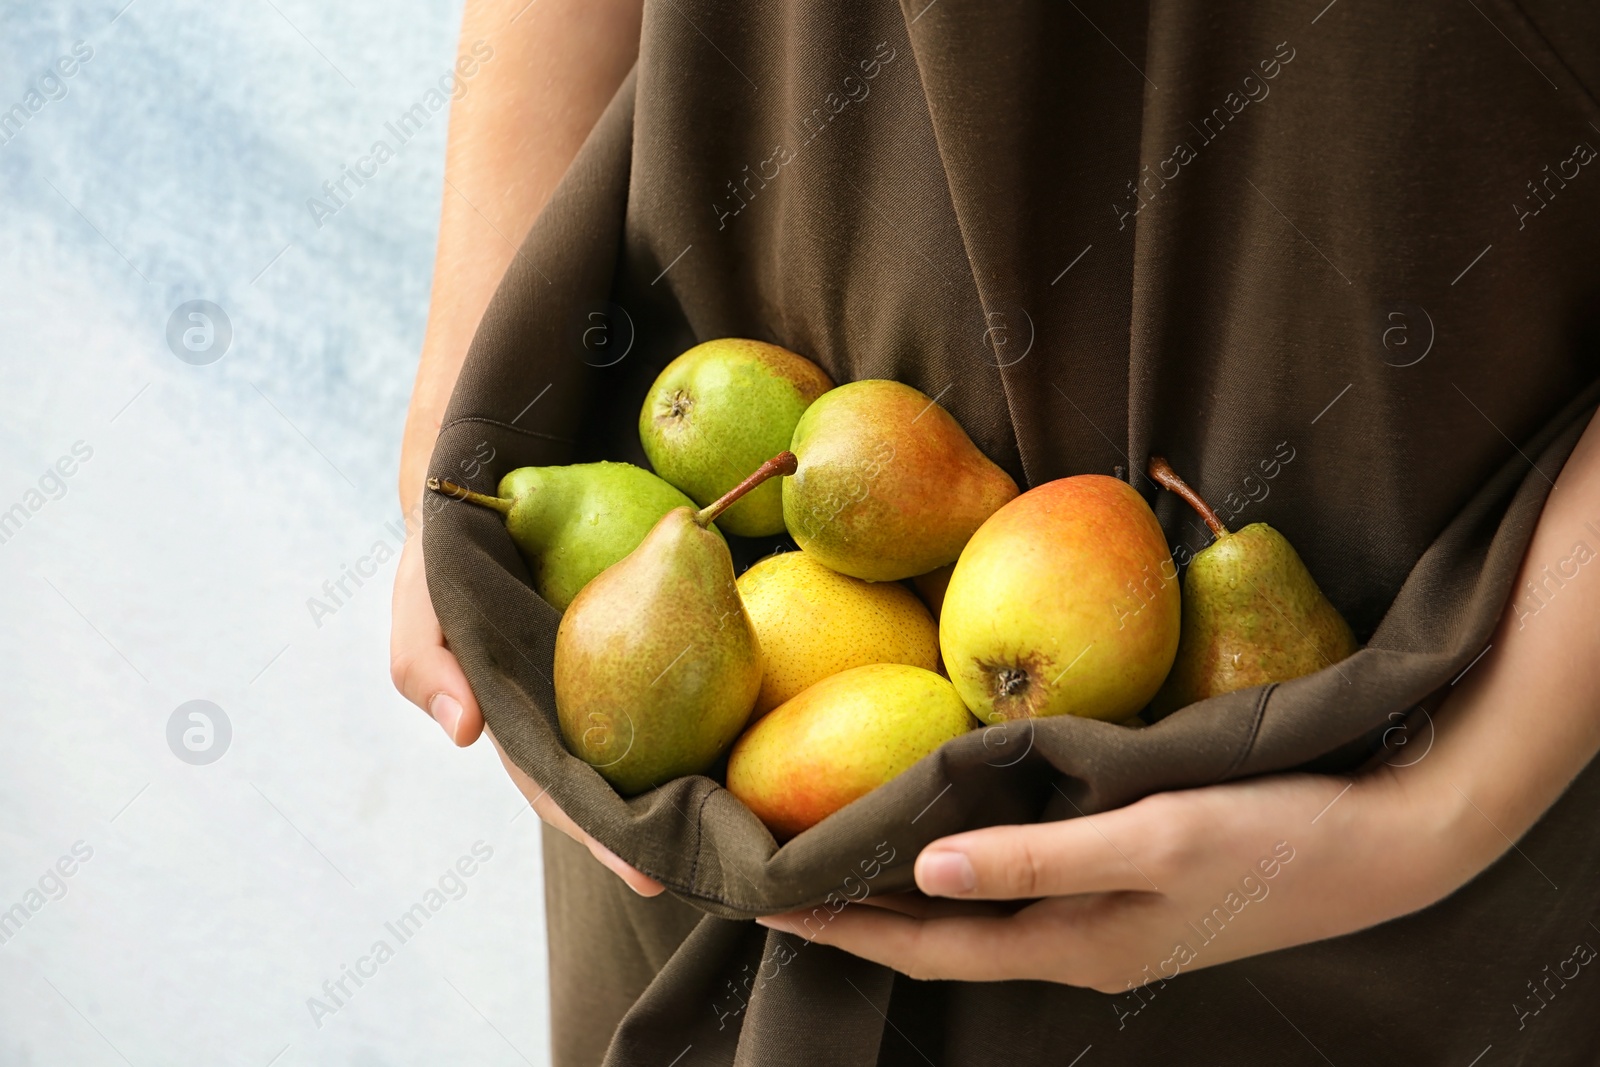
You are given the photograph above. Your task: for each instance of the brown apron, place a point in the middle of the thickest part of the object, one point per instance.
(1338, 263)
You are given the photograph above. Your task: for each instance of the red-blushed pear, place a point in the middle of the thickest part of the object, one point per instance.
(839, 740)
(888, 485)
(1064, 603)
(657, 665)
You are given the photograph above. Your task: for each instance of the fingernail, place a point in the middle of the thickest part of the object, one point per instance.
(446, 711)
(946, 874)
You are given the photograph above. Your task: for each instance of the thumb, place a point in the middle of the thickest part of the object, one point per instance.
(422, 668)
(1049, 859)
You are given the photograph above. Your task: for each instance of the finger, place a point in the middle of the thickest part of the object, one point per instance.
(1043, 860)
(634, 878)
(420, 665)
(920, 907)
(968, 949)
(547, 809)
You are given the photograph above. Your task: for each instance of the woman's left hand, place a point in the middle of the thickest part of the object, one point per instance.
(1174, 882)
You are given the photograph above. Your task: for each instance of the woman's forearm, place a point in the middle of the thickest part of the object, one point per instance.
(1525, 719)
(555, 64)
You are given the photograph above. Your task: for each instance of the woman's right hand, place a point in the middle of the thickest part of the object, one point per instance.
(428, 675)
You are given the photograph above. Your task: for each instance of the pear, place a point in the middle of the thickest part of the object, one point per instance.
(718, 410)
(571, 523)
(1064, 603)
(657, 665)
(1252, 613)
(889, 486)
(813, 622)
(839, 740)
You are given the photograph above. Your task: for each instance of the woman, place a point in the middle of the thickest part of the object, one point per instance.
(1227, 233)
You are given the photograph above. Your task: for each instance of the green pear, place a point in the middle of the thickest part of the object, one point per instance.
(839, 740)
(718, 410)
(657, 665)
(888, 485)
(1252, 613)
(571, 523)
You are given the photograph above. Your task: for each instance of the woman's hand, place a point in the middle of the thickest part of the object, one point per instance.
(549, 68)
(420, 665)
(428, 675)
(1174, 882)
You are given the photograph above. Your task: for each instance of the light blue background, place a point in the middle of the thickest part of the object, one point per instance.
(179, 562)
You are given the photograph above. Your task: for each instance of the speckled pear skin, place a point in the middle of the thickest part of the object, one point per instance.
(571, 523)
(1252, 614)
(839, 740)
(656, 664)
(1064, 603)
(813, 622)
(889, 486)
(720, 409)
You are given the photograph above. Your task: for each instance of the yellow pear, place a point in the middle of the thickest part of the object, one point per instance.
(839, 740)
(814, 622)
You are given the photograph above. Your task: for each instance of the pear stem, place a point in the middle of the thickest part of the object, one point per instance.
(459, 492)
(1161, 472)
(782, 463)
